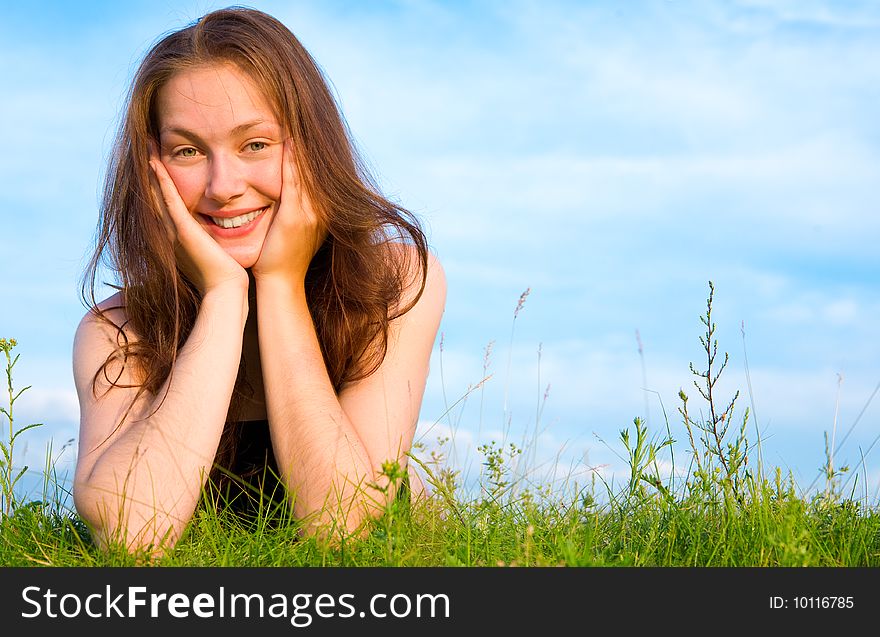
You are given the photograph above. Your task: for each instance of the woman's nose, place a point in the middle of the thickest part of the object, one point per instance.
(225, 179)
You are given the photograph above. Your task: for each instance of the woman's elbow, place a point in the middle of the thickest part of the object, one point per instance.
(115, 527)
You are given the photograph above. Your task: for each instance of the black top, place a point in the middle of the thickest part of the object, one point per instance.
(254, 451)
(253, 481)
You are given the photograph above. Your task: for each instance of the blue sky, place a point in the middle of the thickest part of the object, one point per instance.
(611, 157)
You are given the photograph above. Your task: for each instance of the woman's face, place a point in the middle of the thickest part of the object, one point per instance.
(222, 145)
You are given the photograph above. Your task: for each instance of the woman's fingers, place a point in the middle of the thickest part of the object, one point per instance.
(290, 241)
(296, 207)
(164, 217)
(173, 209)
(289, 194)
(198, 254)
(289, 180)
(182, 227)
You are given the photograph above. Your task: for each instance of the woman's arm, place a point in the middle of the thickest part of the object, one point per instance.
(330, 449)
(139, 474)
(138, 481)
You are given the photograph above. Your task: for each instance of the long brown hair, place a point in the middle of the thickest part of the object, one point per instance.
(354, 284)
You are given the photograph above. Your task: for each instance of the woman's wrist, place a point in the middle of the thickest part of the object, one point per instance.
(279, 285)
(231, 294)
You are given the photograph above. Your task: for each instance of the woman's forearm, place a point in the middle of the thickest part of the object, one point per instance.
(320, 456)
(145, 484)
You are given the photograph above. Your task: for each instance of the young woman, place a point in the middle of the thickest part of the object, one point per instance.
(275, 313)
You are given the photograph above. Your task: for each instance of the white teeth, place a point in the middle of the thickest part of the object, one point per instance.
(235, 222)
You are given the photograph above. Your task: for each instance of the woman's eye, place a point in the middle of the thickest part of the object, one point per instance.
(256, 146)
(187, 152)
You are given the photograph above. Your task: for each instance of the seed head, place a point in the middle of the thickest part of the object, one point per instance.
(521, 302)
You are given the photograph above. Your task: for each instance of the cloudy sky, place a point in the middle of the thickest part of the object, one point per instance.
(611, 158)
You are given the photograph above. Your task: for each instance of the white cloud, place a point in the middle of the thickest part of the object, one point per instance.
(48, 404)
(514, 198)
(857, 14)
(838, 312)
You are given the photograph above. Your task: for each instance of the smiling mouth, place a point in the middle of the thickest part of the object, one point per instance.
(236, 222)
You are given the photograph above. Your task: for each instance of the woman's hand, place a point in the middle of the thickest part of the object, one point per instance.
(295, 233)
(199, 255)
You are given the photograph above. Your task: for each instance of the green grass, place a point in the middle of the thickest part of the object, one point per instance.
(774, 528)
(726, 509)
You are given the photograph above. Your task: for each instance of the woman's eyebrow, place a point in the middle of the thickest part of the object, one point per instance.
(242, 128)
(238, 130)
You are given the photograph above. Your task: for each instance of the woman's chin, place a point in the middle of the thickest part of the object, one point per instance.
(245, 256)
(245, 243)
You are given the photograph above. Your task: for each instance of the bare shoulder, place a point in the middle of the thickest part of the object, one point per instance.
(112, 318)
(97, 336)
(433, 295)
(113, 307)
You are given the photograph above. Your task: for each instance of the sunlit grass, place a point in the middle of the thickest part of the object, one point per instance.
(724, 508)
